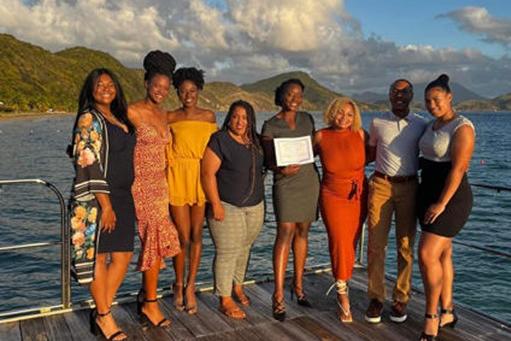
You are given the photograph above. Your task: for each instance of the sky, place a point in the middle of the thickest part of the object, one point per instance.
(351, 46)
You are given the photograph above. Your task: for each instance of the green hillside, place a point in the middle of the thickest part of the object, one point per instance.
(36, 80)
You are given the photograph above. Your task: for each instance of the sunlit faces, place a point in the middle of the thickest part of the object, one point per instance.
(293, 97)
(104, 90)
(400, 95)
(344, 117)
(188, 93)
(158, 88)
(238, 124)
(438, 102)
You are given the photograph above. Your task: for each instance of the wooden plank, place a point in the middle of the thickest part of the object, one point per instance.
(10, 331)
(319, 322)
(317, 328)
(129, 323)
(78, 323)
(176, 331)
(57, 328)
(203, 323)
(253, 317)
(275, 331)
(33, 330)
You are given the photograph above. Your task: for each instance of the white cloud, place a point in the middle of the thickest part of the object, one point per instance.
(479, 21)
(246, 40)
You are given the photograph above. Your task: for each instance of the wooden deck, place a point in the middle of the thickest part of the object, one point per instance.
(317, 323)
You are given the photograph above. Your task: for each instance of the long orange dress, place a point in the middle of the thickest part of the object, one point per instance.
(157, 234)
(343, 196)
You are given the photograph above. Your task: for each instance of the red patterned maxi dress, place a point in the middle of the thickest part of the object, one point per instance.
(157, 234)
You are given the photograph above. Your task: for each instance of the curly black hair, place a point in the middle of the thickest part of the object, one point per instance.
(441, 82)
(158, 62)
(188, 74)
(281, 89)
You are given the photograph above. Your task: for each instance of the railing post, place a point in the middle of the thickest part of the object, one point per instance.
(65, 250)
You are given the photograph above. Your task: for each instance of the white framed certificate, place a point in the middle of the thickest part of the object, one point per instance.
(293, 150)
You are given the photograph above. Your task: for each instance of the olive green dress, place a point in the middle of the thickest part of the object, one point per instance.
(295, 197)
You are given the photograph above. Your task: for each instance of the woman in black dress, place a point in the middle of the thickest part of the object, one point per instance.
(102, 210)
(444, 200)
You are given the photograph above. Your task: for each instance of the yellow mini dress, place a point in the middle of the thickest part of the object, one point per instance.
(189, 141)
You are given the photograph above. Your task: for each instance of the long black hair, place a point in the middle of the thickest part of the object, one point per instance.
(86, 102)
(255, 145)
(118, 107)
(252, 131)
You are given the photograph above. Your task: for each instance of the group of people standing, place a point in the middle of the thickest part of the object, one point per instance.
(140, 165)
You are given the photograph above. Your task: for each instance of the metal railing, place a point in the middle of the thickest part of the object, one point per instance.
(359, 260)
(65, 251)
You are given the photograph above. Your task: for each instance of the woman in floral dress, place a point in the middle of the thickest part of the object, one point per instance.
(102, 211)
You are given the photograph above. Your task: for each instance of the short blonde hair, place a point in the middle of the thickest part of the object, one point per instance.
(334, 107)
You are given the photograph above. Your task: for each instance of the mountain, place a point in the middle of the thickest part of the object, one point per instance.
(370, 97)
(316, 96)
(500, 103)
(34, 79)
(460, 92)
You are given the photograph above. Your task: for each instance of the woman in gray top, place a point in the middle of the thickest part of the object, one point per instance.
(295, 192)
(445, 201)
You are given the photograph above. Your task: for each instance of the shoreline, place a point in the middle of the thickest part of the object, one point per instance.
(34, 115)
(31, 115)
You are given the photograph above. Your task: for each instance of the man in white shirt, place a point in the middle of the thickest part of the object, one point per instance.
(393, 141)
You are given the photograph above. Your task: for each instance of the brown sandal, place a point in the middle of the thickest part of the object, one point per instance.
(233, 312)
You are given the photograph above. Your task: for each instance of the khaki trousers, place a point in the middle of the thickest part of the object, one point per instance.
(385, 198)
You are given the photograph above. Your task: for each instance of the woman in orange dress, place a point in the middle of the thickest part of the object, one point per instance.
(157, 233)
(341, 147)
(191, 127)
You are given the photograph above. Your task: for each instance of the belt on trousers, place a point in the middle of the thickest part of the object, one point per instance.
(396, 178)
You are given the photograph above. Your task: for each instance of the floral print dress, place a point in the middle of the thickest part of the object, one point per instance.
(90, 160)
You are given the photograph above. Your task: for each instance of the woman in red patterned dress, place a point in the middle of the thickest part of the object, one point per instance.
(157, 233)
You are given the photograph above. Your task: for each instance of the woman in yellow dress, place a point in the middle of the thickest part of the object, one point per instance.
(191, 128)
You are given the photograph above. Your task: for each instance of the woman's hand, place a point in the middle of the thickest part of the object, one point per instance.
(108, 219)
(433, 211)
(218, 211)
(289, 170)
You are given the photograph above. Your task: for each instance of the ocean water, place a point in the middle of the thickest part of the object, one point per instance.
(35, 148)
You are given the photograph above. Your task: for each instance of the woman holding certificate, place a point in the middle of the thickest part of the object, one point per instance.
(343, 199)
(295, 187)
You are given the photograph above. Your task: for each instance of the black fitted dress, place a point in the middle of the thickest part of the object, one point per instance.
(120, 178)
(436, 165)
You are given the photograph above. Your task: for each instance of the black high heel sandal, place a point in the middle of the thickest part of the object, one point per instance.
(279, 309)
(96, 330)
(300, 299)
(427, 337)
(451, 324)
(144, 319)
